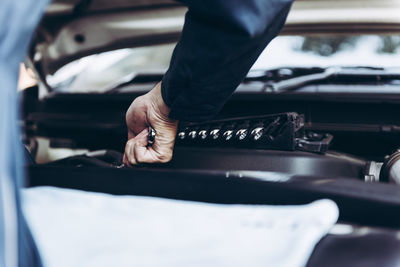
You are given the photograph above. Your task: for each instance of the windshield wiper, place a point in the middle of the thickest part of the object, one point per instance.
(297, 82)
(286, 79)
(136, 78)
(289, 79)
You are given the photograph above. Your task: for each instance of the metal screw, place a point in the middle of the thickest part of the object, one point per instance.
(182, 135)
(228, 135)
(241, 134)
(193, 134)
(203, 134)
(257, 133)
(214, 134)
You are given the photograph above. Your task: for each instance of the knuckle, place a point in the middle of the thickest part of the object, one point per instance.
(140, 158)
(129, 151)
(132, 159)
(126, 161)
(128, 147)
(165, 157)
(137, 103)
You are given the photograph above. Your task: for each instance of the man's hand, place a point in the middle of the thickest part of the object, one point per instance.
(149, 110)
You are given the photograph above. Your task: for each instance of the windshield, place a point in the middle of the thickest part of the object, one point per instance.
(103, 72)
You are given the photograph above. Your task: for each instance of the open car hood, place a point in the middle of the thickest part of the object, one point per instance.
(72, 29)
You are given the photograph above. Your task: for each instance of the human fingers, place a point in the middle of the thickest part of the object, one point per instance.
(135, 146)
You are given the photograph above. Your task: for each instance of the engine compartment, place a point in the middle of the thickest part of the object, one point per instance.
(77, 141)
(280, 142)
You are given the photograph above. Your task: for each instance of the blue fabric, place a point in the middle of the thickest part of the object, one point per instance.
(221, 40)
(18, 20)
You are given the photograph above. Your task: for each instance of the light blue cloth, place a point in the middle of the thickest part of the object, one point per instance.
(18, 20)
(101, 230)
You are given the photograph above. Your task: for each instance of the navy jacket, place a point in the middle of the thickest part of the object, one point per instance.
(220, 41)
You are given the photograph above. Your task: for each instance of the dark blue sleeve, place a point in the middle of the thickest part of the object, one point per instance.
(220, 41)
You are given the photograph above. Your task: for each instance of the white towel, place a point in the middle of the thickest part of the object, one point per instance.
(76, 228)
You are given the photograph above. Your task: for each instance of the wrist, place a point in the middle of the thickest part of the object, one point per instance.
(156, 98)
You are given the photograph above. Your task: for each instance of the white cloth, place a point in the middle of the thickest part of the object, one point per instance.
(76, 228)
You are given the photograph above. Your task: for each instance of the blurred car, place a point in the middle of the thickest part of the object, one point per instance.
(320, 109)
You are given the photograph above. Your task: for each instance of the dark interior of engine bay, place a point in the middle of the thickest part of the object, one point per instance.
(261, 149)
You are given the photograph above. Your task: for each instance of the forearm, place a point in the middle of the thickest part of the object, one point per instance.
(220, 42)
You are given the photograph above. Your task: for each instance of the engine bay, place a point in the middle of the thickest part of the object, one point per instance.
(271, 143)
(276, 150)
(251, 133)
